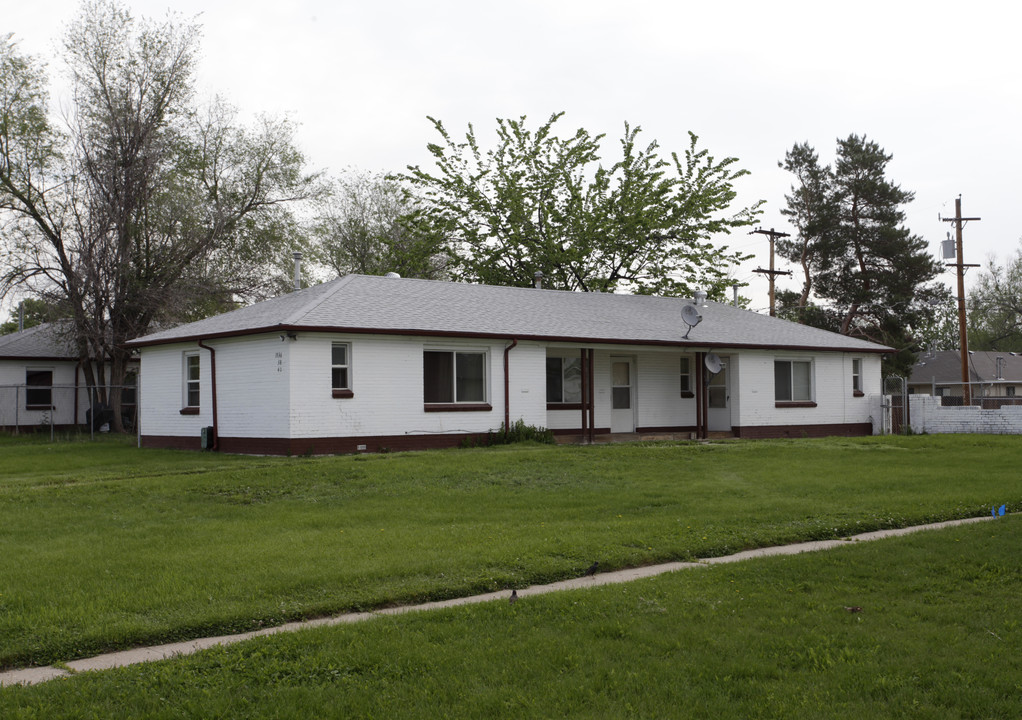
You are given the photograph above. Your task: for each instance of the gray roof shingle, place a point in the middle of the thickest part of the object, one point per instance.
(50, 341)
(945, 366)
(362, 303)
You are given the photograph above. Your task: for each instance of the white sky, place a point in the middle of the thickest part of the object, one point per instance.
(935, 83)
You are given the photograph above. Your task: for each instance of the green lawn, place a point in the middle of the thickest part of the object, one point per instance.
(103, 546)
(938, 636)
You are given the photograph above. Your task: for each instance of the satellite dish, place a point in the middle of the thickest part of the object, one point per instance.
(691, 316)
(712, 362)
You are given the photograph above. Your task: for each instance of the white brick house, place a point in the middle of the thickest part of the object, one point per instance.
(371, 363)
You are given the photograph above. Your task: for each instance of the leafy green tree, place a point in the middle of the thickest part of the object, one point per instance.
(367, 226)
(540, 202)
(142, 205)
(35, 312)
(864, 267)
(995, 306)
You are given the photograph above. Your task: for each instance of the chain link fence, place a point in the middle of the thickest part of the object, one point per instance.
(52, 408)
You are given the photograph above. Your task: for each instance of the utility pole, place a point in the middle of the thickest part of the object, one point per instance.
(963, 338)
(773, 234)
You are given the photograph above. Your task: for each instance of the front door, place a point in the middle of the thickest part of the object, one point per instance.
(718, 417)
(622, 395)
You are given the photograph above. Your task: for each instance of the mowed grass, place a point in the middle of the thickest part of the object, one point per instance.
(104, 546)
(937, 635)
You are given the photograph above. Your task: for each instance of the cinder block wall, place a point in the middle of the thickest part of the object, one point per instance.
(928, 416)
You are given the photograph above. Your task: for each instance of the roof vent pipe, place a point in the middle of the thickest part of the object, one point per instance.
(537, 279)
(735, 288)
(700, 298)
(298, 270)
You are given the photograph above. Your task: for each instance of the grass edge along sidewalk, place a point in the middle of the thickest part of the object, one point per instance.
(36, 675)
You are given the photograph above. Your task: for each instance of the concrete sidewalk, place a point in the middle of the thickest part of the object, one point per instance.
(32, 676)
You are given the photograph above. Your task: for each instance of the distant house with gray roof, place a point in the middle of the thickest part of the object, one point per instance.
(368, 363)
(42, 381)
(991, 374)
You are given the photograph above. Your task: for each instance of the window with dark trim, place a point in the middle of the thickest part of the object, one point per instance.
(340, 369)
(686, 377)
(857, 377)
(191, 383)
(793, 381)
(450, 377)
(39, 388)
(564, 380)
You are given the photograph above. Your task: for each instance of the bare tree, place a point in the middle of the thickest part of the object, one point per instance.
(143, 207)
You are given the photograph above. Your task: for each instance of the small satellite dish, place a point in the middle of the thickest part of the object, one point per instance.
(712, 362)
(691, 316)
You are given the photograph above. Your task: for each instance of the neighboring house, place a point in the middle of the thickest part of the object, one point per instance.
(42, 382)
(991, 374)
(373, 363)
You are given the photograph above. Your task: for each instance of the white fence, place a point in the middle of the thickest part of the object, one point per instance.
(928, 415)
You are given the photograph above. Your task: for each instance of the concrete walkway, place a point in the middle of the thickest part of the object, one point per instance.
(32, 676)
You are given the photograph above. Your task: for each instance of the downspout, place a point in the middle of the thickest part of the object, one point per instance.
(700, 394)
(583, 359)
(74, 418)
(212, 373)
(592, 396)
(507, 386)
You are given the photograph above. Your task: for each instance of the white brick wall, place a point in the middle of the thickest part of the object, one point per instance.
(269, 388)
(927, 416)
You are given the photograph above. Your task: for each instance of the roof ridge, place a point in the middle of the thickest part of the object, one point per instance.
(319, 298)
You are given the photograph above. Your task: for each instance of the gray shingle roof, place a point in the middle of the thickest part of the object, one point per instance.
(945, 366)
(362, 303)
(51, 341)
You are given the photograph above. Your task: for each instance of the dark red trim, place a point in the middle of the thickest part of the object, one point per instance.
(457, 407)
(318, 446)
(564, 406)
(858, 393)
(585, 436)
(212, 375)
(794, 404)
(189, 411)
(688, 345)
(41, 407)
(341, 393)
(592, 395)
(688, 394)
(807, 431)
(507, 386)
(667, 429)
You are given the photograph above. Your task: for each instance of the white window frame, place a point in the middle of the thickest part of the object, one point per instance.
(857, 376)
(187, 382)
(791, 380)
(685, 376)
(344, 390)
(565, 361)
(455, 352)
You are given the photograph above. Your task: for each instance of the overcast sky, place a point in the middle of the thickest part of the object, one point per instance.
(935, 83)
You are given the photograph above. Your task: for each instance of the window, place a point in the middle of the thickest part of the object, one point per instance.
(450, 377)
(340, 369)
(564, 380)
(1009, 391)
(39, 390)
(191, 388)
(793, 381)
(686, 377)
(857, 376)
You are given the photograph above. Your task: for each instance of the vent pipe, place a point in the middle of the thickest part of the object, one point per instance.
(700, 298)
(298, 270)
(537, 279)
(735, 288)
